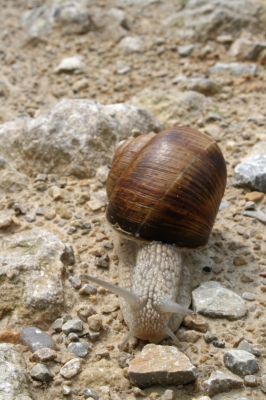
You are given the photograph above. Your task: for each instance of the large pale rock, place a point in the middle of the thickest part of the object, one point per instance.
(164, 365)
(13, 374)
(207, 19)
(72, 18)
(112, 24)
(244, 49)
(32, 287)
(213, 300)
(219, 382)
(235, 68)
(10, 179)
(71, 137)
(173, 107)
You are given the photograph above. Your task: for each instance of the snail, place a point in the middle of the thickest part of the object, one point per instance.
(164, 193)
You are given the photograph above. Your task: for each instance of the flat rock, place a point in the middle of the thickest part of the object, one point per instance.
(72, 18)
(235, 68)
(241, 362)
(36, 297)
(212, 300)
(13, 374)
(70, 64)
(219, 382)
(80, 349)
(164, 365)
(71, 137)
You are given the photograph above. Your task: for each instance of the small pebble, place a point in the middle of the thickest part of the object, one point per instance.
(57, 324)
(240, 260)
(102, 262)
(250, 381)
(36, 339)
(19, 210)
(72, 325)
(254, 196)
(209, 337)
(75, 282)
(71, 230)
(86, 311)
(39, 211)
(30, 217)
(66, 390)
(103, 353)
(41, 373)
(219, 344)
(71, 368)
(43, 355)
(248, 296)
(80, 349)
(41, 177)
(90, 393)
(88, 289)
(95, 322)
(71, 337)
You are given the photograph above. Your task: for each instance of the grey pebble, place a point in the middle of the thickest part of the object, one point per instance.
(209, 337)
(86, 225)
(185, 50)
(36, 339)
(71, 230)
(90, 393)
(66, 390)
(88, 289)
(236, 68)
(224, 204)
(240, 362)
(19, 209)
(263, 383)
(30, 217)
(80, 349)
(102, 262)
(258, 214)
(68, 257)
(41, 373)
(251, 173)
(41, 177)
(249, 296)
(71, 337)
(219, 344)
(62, 223)
(245, 345)
(72, 325)
(75, 282)
(39, 211)
(57, 324)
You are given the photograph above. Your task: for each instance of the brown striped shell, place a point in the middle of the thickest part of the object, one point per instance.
(167, 187)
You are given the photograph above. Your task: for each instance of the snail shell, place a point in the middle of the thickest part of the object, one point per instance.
(167, 187)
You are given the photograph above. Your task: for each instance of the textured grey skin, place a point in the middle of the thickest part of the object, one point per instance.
(155, 272)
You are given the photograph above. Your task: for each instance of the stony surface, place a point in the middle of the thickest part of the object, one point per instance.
(13, 374)
(56, 143)
(161, 364)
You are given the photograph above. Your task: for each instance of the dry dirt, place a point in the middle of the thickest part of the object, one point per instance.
(27, 71)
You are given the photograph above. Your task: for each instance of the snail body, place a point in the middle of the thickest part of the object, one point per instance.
(164, 193)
